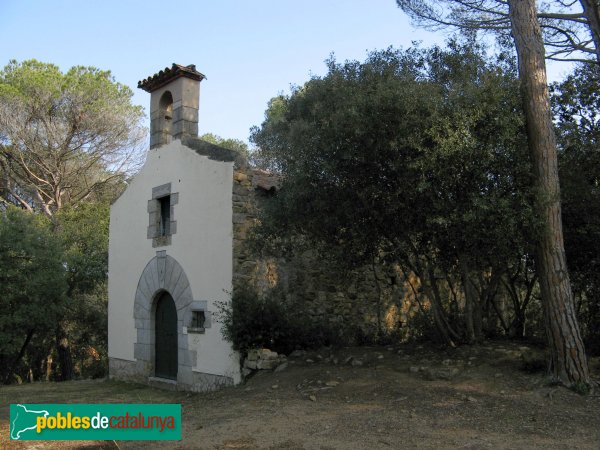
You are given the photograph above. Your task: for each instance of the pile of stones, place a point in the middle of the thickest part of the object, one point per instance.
(263, 359)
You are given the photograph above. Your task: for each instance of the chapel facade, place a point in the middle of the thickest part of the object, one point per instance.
(170, 251)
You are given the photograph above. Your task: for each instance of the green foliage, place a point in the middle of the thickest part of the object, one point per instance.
(345, 148)
(36, 83)
(87, 323)
(250, 321)
(32, 284)
(231, 144)
(54, 273)
(65, 138)
(84, 235)
(576, 103)
(581, 388)
(424, 146)
(416, 157)
(420, 329)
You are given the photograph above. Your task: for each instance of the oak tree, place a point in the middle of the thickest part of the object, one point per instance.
(413, 157)
(32, 285)
(568, 361)
(576, 102)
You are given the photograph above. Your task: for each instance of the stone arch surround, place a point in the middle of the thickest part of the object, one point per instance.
(164, 274)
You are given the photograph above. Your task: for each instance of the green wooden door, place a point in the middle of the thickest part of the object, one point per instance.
(166, 338)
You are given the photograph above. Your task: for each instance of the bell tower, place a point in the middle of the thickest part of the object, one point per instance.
(174, 101)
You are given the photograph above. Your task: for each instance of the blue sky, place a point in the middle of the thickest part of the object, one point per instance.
(249, 50)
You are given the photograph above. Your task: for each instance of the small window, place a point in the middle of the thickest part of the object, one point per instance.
(165, 215)
(198, 321)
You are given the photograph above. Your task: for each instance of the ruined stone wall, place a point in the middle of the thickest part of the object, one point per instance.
(360, 305)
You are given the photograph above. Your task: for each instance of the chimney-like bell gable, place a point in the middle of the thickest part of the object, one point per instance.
(174, 102)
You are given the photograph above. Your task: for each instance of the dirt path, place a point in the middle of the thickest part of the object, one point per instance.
(362, 398)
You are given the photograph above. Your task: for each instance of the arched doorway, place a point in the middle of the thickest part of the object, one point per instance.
(165, 337)
(163, 274)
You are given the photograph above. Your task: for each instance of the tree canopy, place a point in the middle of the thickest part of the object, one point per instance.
(571, 29)
(413, 156)
(532, 36)
(576, 102)
(32, 284)
(64, 137)
(232, 144)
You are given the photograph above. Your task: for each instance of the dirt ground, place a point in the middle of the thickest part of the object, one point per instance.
(474, 397)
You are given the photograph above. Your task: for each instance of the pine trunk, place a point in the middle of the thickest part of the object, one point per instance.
(568, 359)
(591, 10)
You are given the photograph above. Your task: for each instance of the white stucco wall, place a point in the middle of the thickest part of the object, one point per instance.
(202, 245)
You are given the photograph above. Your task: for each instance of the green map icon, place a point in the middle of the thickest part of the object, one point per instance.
(23, 419)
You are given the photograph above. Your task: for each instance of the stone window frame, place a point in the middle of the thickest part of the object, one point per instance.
(197, 306)
(154, 215)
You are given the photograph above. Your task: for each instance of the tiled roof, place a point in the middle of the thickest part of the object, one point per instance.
(167, 75)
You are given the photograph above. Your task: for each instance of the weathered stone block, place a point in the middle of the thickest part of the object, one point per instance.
(189, 358)
(184, 298)
(250, 364)
(120, 369)
(238, 189)
(240, 176)
(142, 352)
(152, 206)
(140, 312)
(176, 273)
(252, 355)
(182, 341)
(181, 288)
(239, 217)
(161, 266)
(185, 376)
(144, 336)
(267, 364)
(161, 191)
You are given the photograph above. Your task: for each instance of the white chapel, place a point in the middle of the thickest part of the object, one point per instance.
(170, 252)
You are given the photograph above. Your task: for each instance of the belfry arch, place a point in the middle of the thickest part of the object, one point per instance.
(166, 117)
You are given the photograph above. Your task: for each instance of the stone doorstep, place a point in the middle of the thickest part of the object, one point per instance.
(163, 383)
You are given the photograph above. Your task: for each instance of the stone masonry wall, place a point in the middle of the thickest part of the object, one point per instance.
(361, 305)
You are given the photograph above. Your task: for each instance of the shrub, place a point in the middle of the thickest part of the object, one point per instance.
(250, 321)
